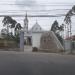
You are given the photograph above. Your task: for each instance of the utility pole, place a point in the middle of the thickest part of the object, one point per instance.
(71, 37)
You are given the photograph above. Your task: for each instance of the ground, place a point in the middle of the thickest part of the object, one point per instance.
(24, 63)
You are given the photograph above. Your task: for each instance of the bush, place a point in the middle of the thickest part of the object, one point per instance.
(35, 49)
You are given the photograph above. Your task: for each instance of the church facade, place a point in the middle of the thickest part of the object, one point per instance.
(32, 36)
(37, 37)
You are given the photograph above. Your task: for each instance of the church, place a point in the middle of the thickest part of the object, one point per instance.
(39, 38)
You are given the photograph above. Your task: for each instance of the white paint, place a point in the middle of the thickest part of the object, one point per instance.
(36, 28)
(67, 45)
(36, 31)
(36, 39)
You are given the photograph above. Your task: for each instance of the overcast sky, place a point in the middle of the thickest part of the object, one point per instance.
(45, 7)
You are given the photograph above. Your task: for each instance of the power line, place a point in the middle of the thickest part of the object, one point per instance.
(39, 11)
(40, 1)
(22, 4)
(33, 10)
(20, 15)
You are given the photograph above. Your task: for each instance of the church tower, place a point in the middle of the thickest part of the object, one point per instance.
(26, 24)
(26, 29)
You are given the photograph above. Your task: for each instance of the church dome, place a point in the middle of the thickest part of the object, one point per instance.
(36, 28)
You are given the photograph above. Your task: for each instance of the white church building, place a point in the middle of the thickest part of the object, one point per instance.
(32, 37)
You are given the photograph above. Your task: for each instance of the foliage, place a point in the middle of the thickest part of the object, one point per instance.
(73, 9)
(55, 26)
(61, 28)
(12, 24)
(6, 20)
(18, 27)
(9, 22)
(69, 15)
(68, 21)
(4, 31)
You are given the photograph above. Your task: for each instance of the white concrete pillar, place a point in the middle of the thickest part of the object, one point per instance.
(21, 40)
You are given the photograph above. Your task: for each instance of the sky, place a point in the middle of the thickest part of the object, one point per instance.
(37, 7)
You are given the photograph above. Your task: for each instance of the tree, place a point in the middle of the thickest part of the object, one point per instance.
(17, 28)
(61, 28)
(68, 22)
(13, 24)
(9, 22)
(6, 22)
(4, 32)
(73, 9)
(55, 26)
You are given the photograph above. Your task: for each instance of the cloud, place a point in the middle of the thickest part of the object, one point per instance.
(29, 5)
(26, 3)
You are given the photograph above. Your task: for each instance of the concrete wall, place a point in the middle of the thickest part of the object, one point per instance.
(50, 43)
(67, 45)
(36, 39)
(8, 44)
